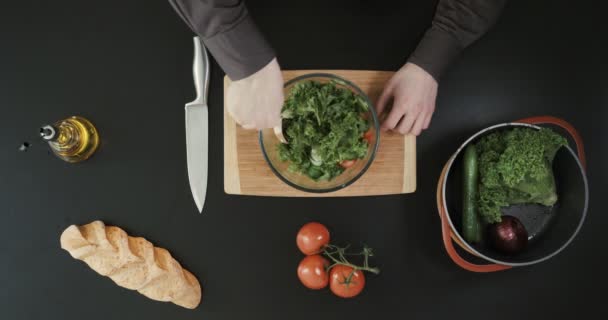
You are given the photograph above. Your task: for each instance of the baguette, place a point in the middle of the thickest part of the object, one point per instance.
(132, 262)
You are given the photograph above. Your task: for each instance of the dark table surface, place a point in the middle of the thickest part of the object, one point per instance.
(126, 65)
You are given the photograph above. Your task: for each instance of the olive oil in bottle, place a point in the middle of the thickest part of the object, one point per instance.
(73, 139)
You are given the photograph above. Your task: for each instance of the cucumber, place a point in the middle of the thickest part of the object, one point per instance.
(471, 226)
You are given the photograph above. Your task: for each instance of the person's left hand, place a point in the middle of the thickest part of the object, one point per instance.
(414, 92)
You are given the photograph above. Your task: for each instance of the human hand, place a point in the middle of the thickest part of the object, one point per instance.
(414, 92)
(255, 102)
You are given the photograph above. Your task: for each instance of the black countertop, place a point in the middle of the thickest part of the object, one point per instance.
(126, 65)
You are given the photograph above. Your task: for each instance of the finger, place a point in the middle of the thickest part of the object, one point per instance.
(396, 113)
(248, 126)
(268, 121)
(384, 97)
(238, 121)
(273, 113)
(427, 121)
(418, 124)
(274, 121)
(235, 117)
(393, 118)
(406, 124)
(266, 125)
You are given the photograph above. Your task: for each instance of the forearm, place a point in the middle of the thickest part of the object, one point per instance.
(227, 30)
(457, 24)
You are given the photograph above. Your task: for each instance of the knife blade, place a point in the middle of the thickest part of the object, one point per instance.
(197, 127)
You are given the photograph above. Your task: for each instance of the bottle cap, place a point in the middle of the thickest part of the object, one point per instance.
(48, 132)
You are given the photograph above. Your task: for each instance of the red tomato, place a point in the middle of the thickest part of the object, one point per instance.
(345, 282)
(312, 272)
(368, 136)
(312, 237)
(347, 163)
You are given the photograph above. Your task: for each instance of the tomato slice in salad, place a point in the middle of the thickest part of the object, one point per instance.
(367, 136)
(347, 163)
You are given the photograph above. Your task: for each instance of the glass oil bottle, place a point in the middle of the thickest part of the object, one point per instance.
(74, 139)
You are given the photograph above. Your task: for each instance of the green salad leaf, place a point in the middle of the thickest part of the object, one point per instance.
(324, 126)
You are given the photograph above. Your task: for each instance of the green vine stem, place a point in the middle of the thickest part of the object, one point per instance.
(338, 256)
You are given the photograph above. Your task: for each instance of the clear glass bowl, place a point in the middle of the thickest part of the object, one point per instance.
(269, 141)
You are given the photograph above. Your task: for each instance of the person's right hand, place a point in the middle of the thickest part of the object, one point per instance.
(413, 91)
(255, 102)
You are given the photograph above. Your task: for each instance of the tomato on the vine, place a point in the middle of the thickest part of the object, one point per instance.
(346, 282)
(312, 237)
(312, 272)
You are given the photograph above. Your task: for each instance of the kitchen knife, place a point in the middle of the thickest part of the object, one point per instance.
(197, 127)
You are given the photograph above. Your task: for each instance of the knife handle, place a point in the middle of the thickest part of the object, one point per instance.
(200, 71)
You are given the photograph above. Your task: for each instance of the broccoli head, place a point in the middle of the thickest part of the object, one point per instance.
(515, 167)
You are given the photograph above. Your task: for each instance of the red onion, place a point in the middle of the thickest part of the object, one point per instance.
(509, 235)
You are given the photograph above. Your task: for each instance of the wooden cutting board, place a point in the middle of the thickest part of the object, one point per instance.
(392, 172)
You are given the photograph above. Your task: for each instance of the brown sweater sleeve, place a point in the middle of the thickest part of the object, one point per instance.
(229, 33)
(457, 24)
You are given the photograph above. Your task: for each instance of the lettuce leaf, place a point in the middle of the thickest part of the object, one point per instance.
(324, 126)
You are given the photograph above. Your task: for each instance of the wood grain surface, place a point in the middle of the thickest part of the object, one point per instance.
(392, 172)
